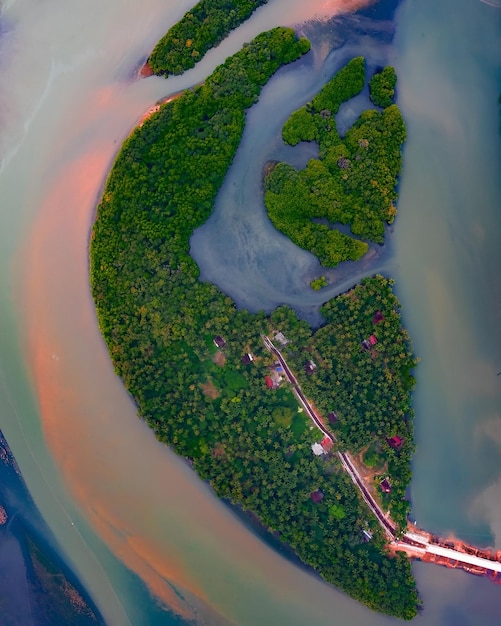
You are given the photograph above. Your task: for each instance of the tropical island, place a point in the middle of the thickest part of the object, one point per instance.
(200, 373)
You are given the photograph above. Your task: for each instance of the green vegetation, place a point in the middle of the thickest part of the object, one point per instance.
(373, 457)
(159, 322)
(353, 181)
(337, 512)
(52, 594)
(382, 87)
(368, 388)
(318, 283)
(202, 28)
(308, 122)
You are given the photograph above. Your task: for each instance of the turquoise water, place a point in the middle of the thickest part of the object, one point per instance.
(67, 101)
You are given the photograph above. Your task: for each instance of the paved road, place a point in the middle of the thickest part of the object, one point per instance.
(297, 389)
(366, 494)
(344, 458)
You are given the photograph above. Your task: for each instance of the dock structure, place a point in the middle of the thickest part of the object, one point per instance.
(421, 545)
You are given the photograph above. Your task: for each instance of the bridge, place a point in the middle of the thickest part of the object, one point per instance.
(415, 543)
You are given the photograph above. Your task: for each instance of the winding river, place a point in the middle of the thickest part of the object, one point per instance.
(148, 540)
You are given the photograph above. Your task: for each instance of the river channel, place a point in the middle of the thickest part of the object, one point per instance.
(146, 537)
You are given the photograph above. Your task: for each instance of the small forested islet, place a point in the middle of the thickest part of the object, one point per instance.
(201, 28)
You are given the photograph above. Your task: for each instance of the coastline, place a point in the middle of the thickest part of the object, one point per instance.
(52, 592)
(157, 106)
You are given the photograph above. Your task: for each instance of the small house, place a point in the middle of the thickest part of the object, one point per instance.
(373, 340)
(317, 496)
(317, 449)
(269, 383)
(281, 338)
(276, 377)
(310, 367)
(367, 535)
(385, 486)
(395, 442)
(378, 317)
(219, 341)
(365, 344)
(327, 443)
(332, 417)
(247, 358)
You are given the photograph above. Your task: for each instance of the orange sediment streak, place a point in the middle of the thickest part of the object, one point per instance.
(80, 449)
(146, 70)
(324, 9)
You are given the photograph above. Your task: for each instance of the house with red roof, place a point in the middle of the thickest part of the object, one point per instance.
(373, 340)
(395, 442)
(327, 443)
(269, 383)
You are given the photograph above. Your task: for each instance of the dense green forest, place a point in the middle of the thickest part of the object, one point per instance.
(352, 182)
(382, 87)
(202, 28)
(368, 388)
(196, 365)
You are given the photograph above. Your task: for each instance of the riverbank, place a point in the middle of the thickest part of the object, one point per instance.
(38, 588)
(157, 106)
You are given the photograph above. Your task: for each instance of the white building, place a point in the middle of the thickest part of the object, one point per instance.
(317, 449)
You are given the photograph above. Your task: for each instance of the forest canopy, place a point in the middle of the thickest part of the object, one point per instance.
(201, 28)
(382, 87)
(352, 183)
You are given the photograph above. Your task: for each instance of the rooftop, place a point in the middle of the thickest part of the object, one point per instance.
(385, 485)
(281, 338)
(317, 449)
(327, 443)
(317, 496)
(395, 442)
(219, 341)
(310, 367)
